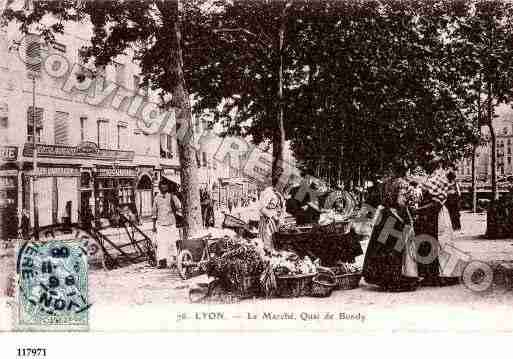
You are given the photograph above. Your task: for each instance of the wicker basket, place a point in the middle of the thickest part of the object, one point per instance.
(348, 281)
(290, 286)
(343, 281)
(323, 285)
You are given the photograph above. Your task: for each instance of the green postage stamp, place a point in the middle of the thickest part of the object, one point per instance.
(52, 286)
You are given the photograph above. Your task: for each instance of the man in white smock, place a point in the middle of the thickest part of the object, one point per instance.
(165, 208)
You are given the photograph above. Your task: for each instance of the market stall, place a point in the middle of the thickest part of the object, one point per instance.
(305, 261)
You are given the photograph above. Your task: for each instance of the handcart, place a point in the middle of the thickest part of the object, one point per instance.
(194, 252)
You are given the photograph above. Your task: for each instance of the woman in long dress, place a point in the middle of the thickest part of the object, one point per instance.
(272, 209)
(391, 245)
(433, 221)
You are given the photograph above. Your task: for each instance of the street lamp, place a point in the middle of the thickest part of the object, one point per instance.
(32, 75)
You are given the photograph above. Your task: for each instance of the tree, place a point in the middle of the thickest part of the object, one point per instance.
(377, 86)
(483, 45)
(153, 30)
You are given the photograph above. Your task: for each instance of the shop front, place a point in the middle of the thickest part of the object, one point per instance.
(114, 187)
(57, 188)
(68, 193)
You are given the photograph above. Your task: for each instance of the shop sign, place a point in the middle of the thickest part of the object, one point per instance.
(8, 153)
(116, 172)
(84, 150)
(171, 172)
(56, 172)
(8, 173)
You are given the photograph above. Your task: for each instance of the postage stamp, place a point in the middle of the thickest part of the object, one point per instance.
(52, 286)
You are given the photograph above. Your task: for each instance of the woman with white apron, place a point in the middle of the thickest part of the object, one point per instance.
(272, 209)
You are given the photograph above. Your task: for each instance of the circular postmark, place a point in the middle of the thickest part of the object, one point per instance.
(52, 280)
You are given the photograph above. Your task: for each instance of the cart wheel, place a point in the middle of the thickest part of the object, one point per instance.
(183, 262)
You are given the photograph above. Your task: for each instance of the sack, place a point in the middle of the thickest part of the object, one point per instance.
(409, 258)
(179, 218)
(409, 263)
(445, 231)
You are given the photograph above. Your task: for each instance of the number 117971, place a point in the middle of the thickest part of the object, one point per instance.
(31, 352)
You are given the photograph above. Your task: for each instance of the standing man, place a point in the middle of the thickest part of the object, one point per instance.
(24, 227)
(165, 208)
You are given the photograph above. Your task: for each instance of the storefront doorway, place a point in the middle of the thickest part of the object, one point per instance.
(144, 197)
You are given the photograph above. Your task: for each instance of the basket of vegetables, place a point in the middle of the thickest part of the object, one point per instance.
(293, 274)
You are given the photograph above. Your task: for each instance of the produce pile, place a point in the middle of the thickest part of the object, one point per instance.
(289, 263)
(238, 259)
(340, 206)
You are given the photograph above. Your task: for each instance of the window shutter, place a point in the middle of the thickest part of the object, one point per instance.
(33, 54)
(61, 128)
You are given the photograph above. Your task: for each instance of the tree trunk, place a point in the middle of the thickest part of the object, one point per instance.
(187, 155)
(279, 134)
(495, 191)
(474, 179)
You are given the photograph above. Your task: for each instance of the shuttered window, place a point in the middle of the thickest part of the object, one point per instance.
(61, 128)
(33, 53)
(166, 146)
(39, 124)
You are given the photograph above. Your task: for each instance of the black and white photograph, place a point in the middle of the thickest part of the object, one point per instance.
(256, 165)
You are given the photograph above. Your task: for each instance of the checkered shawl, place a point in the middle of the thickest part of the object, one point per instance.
(437, 185)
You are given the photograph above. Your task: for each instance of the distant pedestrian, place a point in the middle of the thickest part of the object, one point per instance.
(230, 205)
(24, 227)
(453, 201)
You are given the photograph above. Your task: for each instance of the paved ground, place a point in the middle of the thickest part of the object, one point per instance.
(140, 297)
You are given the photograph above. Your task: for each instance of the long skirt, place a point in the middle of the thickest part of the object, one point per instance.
(165, 241)
(426, 224)
(385, 255)
(266, 228)
(453, 206)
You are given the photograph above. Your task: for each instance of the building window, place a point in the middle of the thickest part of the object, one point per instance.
(122, 136)
(39, 124)
(4, 122)
(83, 126)
(166, 146)
(103, 133)
(61, 128)
(204, 157)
